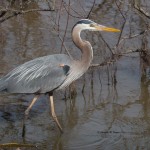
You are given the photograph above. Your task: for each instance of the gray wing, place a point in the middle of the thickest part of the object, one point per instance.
(40, 75)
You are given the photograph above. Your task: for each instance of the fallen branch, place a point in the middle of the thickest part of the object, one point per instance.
(19, 12)
(115, 57)
(103, 63)
(141, 10)
(23, 11)
(91, 9)
(131, 36)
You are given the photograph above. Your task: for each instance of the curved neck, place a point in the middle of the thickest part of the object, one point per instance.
(84, 46)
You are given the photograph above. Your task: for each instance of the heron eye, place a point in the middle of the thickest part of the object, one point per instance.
(91, 25)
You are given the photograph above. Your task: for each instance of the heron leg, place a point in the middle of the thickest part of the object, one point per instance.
(54, 114)
(27, 112)
(32, 103)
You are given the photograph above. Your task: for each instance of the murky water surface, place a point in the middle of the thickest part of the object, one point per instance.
(108, 108)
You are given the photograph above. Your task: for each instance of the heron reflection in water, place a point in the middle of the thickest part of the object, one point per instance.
(53, 72)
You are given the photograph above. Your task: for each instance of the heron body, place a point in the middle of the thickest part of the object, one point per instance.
(53, 72)
(40, 75)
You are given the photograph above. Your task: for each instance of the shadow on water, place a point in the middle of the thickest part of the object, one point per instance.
(108, 108)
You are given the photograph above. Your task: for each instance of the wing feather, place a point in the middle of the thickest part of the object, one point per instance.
(41, 75)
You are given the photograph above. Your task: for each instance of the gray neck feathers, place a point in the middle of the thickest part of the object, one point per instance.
(84, 46)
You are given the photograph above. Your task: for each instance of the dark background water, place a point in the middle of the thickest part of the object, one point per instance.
(108, 107)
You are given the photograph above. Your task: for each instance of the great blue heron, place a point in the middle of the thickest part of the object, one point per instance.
(53, 72)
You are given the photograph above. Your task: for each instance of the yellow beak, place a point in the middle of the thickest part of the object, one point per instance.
(104, 28)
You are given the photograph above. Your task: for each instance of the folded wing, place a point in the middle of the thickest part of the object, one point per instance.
(40, 75)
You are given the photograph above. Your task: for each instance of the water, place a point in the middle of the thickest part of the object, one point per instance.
(107, 108)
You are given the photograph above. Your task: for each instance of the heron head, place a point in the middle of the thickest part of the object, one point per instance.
(86, 24)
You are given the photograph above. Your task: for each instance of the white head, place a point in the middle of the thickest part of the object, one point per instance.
(86, 24)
